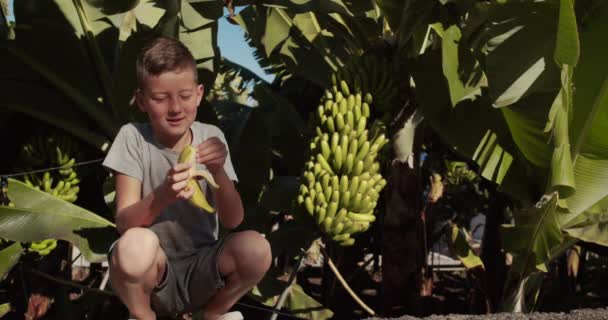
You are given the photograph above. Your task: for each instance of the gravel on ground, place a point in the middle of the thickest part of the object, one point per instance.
(581, 314)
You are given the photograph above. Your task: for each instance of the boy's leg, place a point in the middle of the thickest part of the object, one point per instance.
(136, 267)
(243, 261)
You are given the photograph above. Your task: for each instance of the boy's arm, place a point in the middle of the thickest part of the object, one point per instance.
(213, 153)
(228, 201)
(134, 211)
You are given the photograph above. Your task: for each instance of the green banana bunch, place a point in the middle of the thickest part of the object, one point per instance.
(198, 199)
(43, 247)
(341, 184)
(371, 74)
(458, 173)
(52, 150)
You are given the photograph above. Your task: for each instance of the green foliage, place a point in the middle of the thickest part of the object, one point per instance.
(535, 236)
(38, 216)
(4, 309)
(459, 242)
(300, 304)
(94, 67)
(485, 77)
(9, 256)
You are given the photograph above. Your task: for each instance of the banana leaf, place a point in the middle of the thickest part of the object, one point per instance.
(309, 38)
(590, 227)
(9, 257)
(298, 302)
(92, 74)
(4, 309)
(38, 216)
(461, 247)
(535, 236)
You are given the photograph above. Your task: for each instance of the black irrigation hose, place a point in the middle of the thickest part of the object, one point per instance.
(112, 294)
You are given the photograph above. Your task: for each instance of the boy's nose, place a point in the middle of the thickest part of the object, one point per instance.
(175, 106)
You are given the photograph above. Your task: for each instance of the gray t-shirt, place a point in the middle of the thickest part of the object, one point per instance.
(181, 227)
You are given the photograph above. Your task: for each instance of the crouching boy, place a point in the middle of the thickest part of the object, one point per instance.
(168, 260)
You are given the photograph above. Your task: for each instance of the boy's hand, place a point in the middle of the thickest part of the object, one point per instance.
(212, 153)
(176, 181)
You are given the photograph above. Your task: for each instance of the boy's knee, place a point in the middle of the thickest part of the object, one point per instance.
(255, 252)
(135, 253)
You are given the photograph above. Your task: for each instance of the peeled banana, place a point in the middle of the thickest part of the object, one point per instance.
(341, 183)
(198, 199)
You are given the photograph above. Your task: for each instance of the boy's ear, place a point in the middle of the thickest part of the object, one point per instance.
(200, 91)
(139, 100)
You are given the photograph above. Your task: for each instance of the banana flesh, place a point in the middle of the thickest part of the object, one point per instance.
(198, 198)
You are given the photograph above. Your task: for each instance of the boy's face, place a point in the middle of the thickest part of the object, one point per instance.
(170, 100)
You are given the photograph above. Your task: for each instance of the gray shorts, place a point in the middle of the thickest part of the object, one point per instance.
(188, 282)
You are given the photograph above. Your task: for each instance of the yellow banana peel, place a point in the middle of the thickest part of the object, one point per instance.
(198, 198)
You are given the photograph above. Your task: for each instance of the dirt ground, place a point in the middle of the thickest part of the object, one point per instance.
(583, 314)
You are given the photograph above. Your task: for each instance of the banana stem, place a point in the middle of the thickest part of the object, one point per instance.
(104, 281)
(346, 286)
(285, 293)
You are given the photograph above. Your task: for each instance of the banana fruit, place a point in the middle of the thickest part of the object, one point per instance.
(43, 247)
(198, 199)
(52, 149)
(373, 75)
(341, 182)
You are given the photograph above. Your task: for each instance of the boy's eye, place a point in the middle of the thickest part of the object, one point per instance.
(159, 99)
(186, 97)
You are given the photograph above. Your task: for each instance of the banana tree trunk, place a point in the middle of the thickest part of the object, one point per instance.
(402, 254)
(492, 255)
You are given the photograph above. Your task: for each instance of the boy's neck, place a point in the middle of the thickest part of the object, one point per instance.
(176, 144)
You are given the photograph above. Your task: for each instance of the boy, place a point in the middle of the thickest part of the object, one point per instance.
(168, 259)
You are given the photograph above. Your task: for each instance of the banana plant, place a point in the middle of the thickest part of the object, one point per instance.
(532, 134)
(538, 135)
(91, 75)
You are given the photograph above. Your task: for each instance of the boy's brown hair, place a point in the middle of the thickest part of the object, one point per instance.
(163, 54)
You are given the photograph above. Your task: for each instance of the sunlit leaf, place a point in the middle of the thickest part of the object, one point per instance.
(38, 215)
(9, 256)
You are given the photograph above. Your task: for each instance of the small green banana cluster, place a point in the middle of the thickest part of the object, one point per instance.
(65, 189)
(458, 173)
(52, 150)
(43, 247)
(370, 74)
(341, 184)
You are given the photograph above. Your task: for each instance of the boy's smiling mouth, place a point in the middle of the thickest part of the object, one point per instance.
(175, 121)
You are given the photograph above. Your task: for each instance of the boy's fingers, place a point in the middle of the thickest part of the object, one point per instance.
(210, 145)
(186, 194)
(208, 151)
(212, 151)
(181, 167)
(212, 157)
(210, 141)
(179, 185)
(189, 193)
(184, 175)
